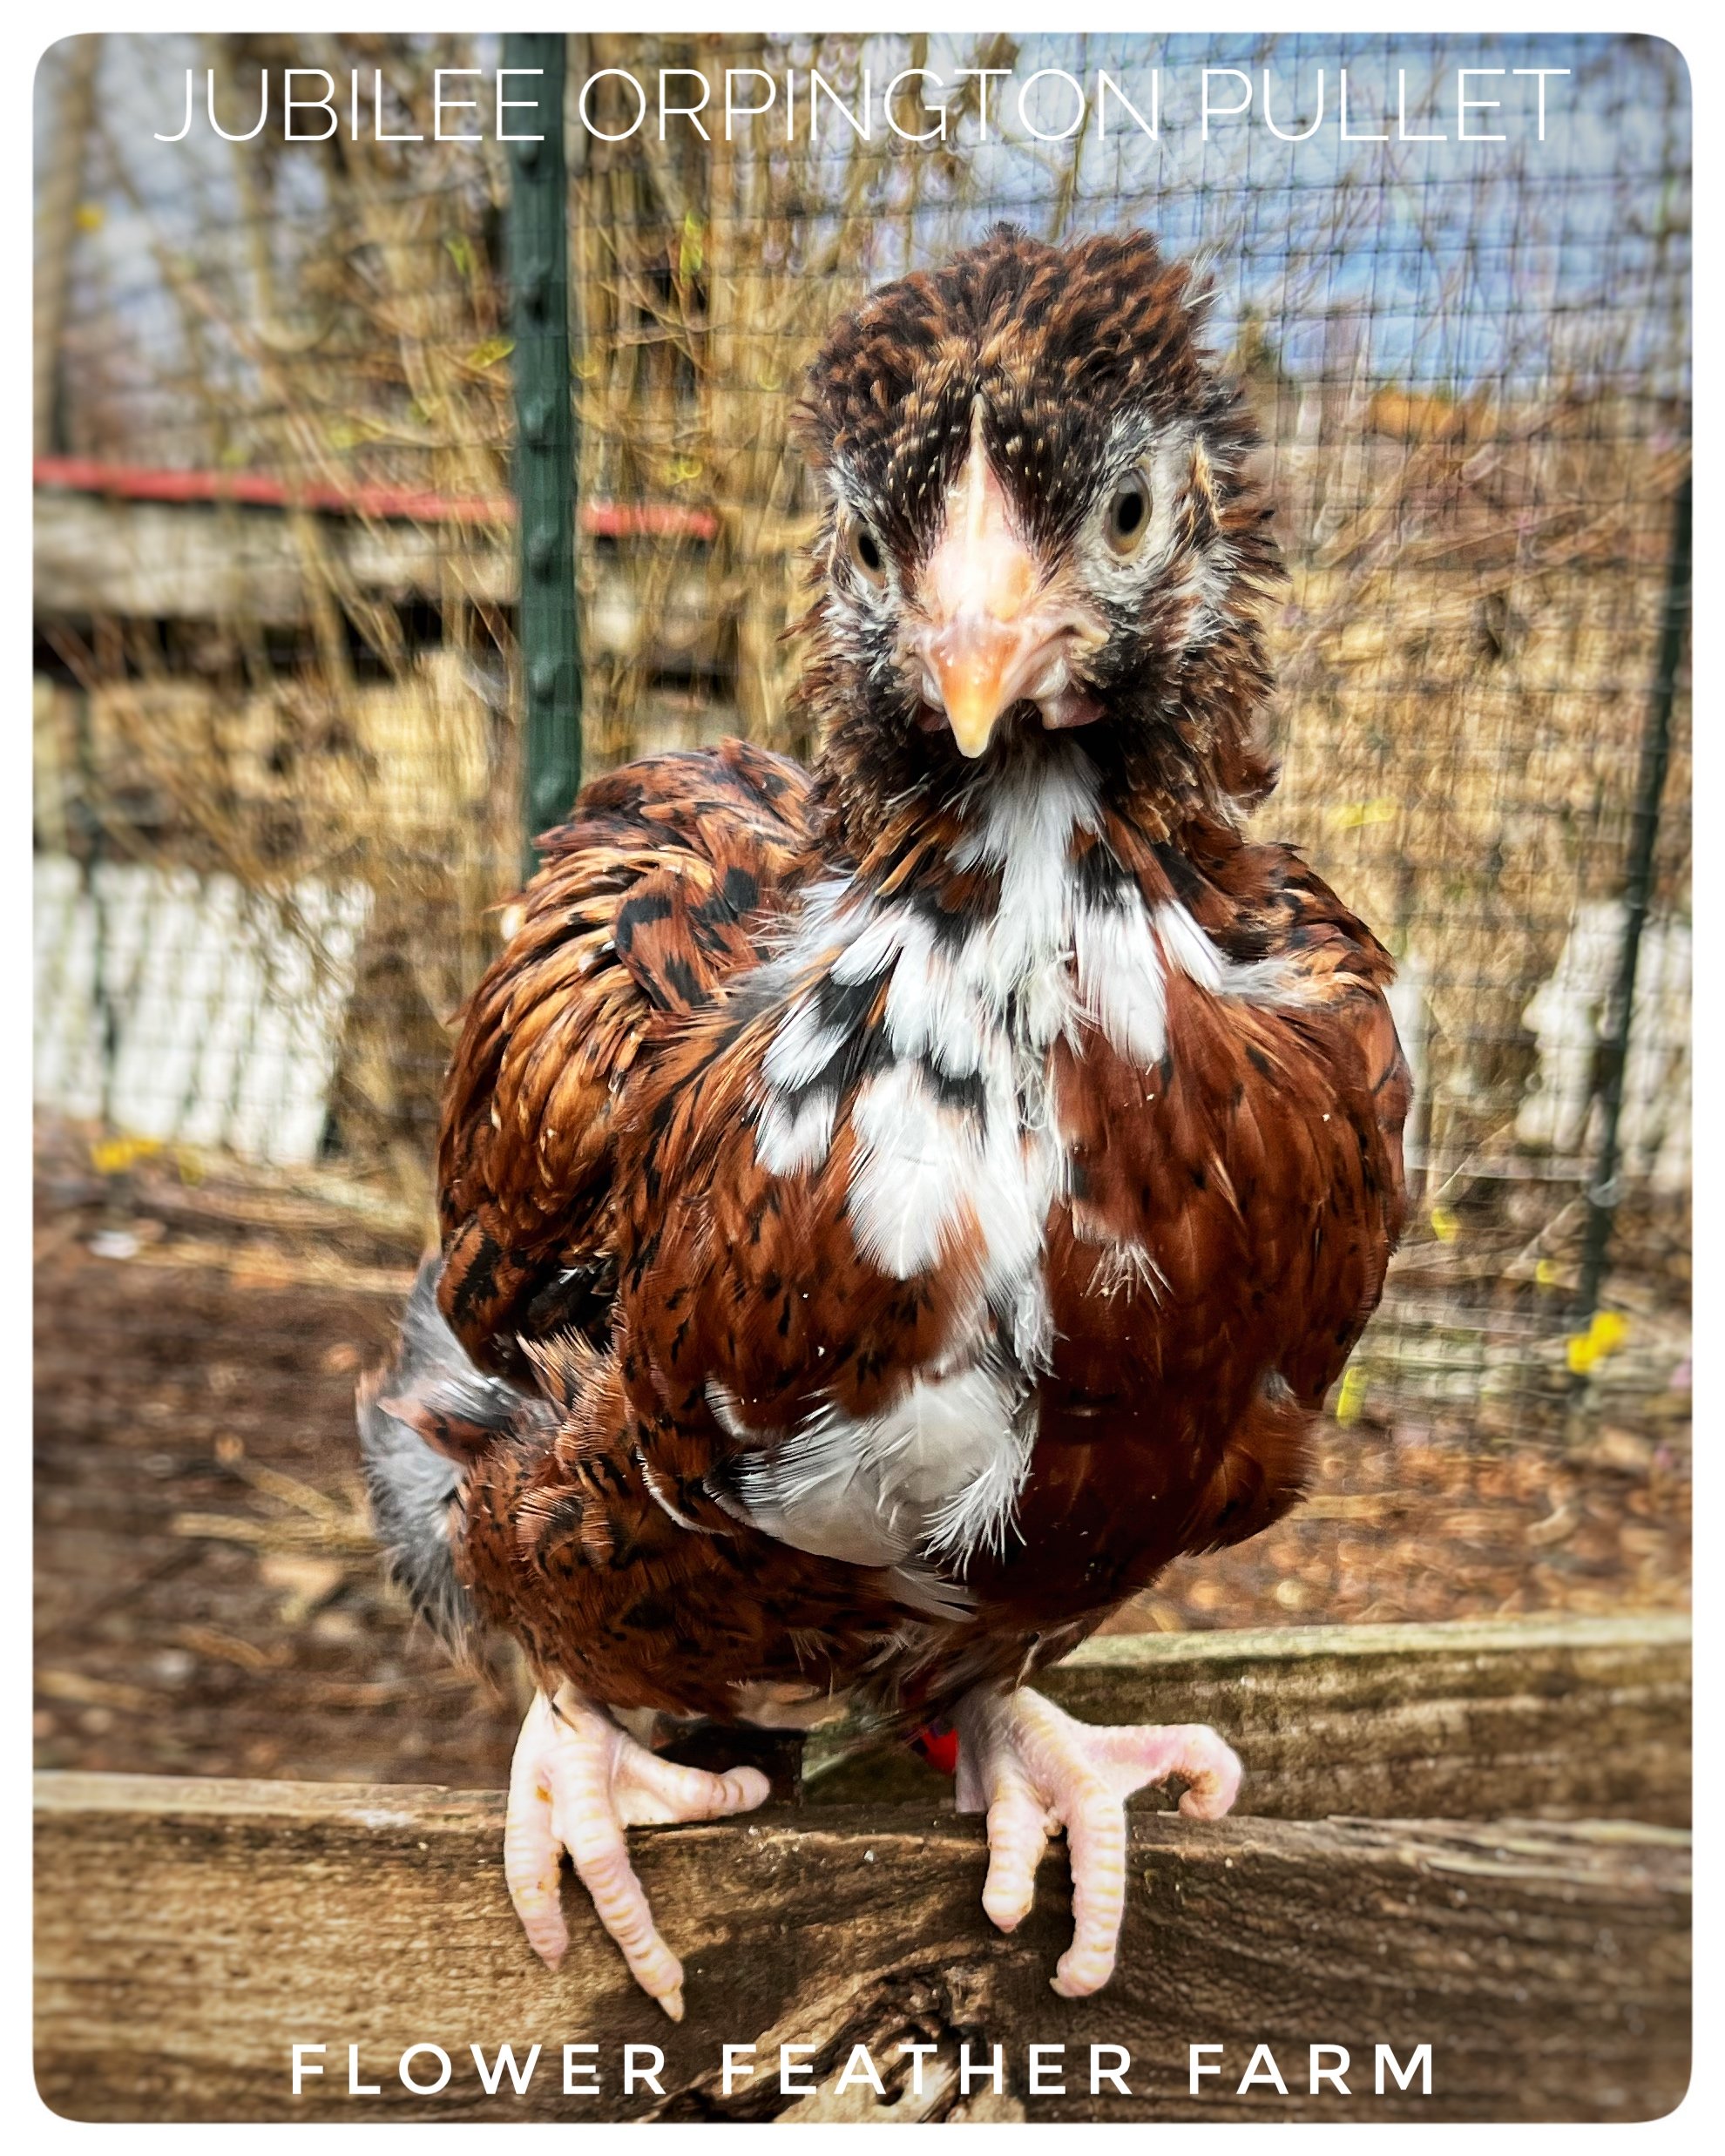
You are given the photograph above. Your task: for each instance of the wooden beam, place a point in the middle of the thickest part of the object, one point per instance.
(1573, 1718)
(177, 562)
(190, 1933)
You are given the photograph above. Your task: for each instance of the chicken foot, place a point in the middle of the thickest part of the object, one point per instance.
(576, 1781)
(1034, 1770)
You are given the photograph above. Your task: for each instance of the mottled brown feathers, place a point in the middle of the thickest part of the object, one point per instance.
(644, 902)
(1052, 340)
(747, 1017)
(1059, 350)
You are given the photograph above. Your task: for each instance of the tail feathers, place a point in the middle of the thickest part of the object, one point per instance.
(420, 1422)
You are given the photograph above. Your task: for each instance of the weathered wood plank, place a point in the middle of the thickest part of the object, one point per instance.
(155, 560)
(189, 1933)
(1562, 1718)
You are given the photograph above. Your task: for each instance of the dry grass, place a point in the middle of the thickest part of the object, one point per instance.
(1466, 674)
(705, 283)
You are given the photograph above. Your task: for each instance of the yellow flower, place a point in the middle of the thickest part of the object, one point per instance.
(113, 1156)
(1604, 1336)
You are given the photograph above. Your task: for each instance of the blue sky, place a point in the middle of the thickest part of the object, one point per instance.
(1446, 262)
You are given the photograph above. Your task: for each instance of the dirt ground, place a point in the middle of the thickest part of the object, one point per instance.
(208, 1601)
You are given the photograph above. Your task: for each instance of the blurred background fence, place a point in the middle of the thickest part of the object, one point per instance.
(278, 754)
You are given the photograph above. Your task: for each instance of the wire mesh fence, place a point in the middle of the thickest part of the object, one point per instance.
(279, 761)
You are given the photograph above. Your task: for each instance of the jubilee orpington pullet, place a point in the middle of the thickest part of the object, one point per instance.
(889, 1213)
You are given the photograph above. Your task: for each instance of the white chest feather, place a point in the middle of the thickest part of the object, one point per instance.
(957, 1158)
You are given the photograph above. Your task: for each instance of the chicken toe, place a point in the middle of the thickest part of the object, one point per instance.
(1034, 1770)
(577, 1781)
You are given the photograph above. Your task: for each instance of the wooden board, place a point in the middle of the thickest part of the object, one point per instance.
(190, 1933)
(176, 562)
(1573, 1717)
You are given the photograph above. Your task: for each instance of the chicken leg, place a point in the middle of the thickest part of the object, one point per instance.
(1033, 1770)
(576, 1781)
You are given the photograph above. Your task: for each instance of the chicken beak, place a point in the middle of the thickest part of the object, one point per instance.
(987, 642)
(974, 662)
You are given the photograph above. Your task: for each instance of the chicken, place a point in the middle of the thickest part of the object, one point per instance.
(889, 1213)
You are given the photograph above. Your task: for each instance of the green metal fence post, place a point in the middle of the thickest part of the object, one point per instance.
(544, 453)
(1603, 1190)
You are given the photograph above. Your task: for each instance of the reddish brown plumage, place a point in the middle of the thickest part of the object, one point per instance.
(655, 1169)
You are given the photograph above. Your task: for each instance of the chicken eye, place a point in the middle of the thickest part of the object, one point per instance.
(865, 552)
(1129, 515)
